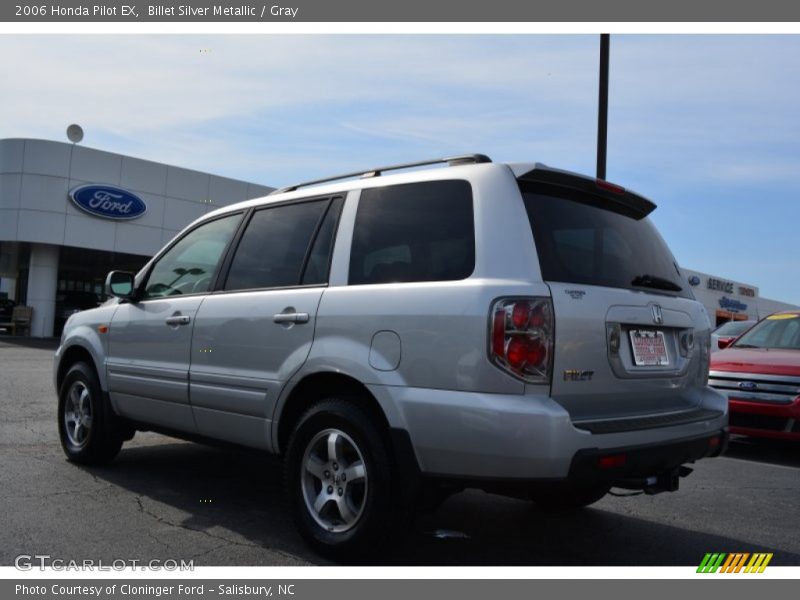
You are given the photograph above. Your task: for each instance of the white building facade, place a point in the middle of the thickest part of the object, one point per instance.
(69, 214)
(727, 300)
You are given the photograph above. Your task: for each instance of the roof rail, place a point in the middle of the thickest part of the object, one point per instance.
(462, 159)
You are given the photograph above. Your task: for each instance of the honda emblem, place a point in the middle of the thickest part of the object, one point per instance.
(658, 317)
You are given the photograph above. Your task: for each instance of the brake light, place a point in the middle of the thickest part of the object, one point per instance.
(498, 334)
(609, 187)
(517, 352)
(521, 337)
(520, 315)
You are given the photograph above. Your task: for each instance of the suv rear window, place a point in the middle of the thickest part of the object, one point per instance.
(414, 232)
(578, 241)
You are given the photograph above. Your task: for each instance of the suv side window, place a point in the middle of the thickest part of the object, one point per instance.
(274, 246)
(189, 266)
(318, 265)
(414, 232)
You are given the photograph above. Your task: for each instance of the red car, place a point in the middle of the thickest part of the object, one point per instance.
(760, 374)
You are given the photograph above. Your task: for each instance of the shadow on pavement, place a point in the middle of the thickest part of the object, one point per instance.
(242, 491)
(775, 452)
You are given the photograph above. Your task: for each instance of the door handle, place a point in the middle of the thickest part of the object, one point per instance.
(294, 317)
(175, 320)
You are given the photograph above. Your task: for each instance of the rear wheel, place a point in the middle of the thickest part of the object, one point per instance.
(90, 432)
(341, 480)
(568, 498)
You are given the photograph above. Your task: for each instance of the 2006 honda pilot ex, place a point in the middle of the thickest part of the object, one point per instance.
(398, 337)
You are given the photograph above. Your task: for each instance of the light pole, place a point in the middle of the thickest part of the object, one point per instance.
(602, 107)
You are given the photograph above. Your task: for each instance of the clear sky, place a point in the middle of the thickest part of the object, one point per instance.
(706, 126)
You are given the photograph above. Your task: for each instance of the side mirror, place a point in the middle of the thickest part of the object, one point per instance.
(120, 284)
(724, 342)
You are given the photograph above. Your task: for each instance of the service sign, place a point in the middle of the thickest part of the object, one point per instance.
(108, 202)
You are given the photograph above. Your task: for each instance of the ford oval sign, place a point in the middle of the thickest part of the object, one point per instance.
(108, 202)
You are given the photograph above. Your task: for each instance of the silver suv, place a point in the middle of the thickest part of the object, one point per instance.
(399, 336)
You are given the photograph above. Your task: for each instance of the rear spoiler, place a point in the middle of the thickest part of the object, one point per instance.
(597, 192)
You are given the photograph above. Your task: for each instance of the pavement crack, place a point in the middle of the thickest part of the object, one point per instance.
(159, 541)
(210, 550)
(163, 521)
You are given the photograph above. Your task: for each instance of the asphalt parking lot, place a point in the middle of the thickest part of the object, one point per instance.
(167, 499)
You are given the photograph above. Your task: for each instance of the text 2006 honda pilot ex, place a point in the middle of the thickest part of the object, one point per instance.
(397, 337)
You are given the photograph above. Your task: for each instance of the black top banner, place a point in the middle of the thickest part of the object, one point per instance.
(405, 11)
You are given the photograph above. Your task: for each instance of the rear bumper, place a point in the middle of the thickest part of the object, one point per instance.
(633, 466)
(651, 468)
(476, 436)
(761, 419)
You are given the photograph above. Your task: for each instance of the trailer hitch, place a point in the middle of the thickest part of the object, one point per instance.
(664, 481)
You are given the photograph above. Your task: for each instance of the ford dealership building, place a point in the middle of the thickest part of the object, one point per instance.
(726, 300)
(69, 214)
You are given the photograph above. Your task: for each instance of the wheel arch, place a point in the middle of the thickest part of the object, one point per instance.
(315, 387)
(74, 354)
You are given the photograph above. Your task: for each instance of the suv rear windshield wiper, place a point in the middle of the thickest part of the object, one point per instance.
(658, 283)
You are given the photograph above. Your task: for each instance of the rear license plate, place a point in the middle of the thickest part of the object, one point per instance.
(649, 348)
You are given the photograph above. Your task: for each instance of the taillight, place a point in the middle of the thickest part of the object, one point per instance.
(521, 337)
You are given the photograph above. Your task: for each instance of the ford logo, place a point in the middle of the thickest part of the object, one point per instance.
(108, 202)
(694, 280)
(747, 385)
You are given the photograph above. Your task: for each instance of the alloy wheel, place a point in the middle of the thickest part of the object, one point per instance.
(334, 480)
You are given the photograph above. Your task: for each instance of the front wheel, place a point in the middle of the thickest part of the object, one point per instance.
(90, 432)
(341, 480)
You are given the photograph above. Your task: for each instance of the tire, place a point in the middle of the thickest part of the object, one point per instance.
(90, 432)
(343, 519)
(568, 498)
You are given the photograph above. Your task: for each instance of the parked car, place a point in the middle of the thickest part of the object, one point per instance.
(6, 309)
(399, 337)
(723, 335)
(6, 314)
(760, 374)
(70, 302)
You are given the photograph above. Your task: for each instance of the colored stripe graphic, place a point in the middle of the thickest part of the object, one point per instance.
(711, 562)
(759, 562)
(734, 562)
